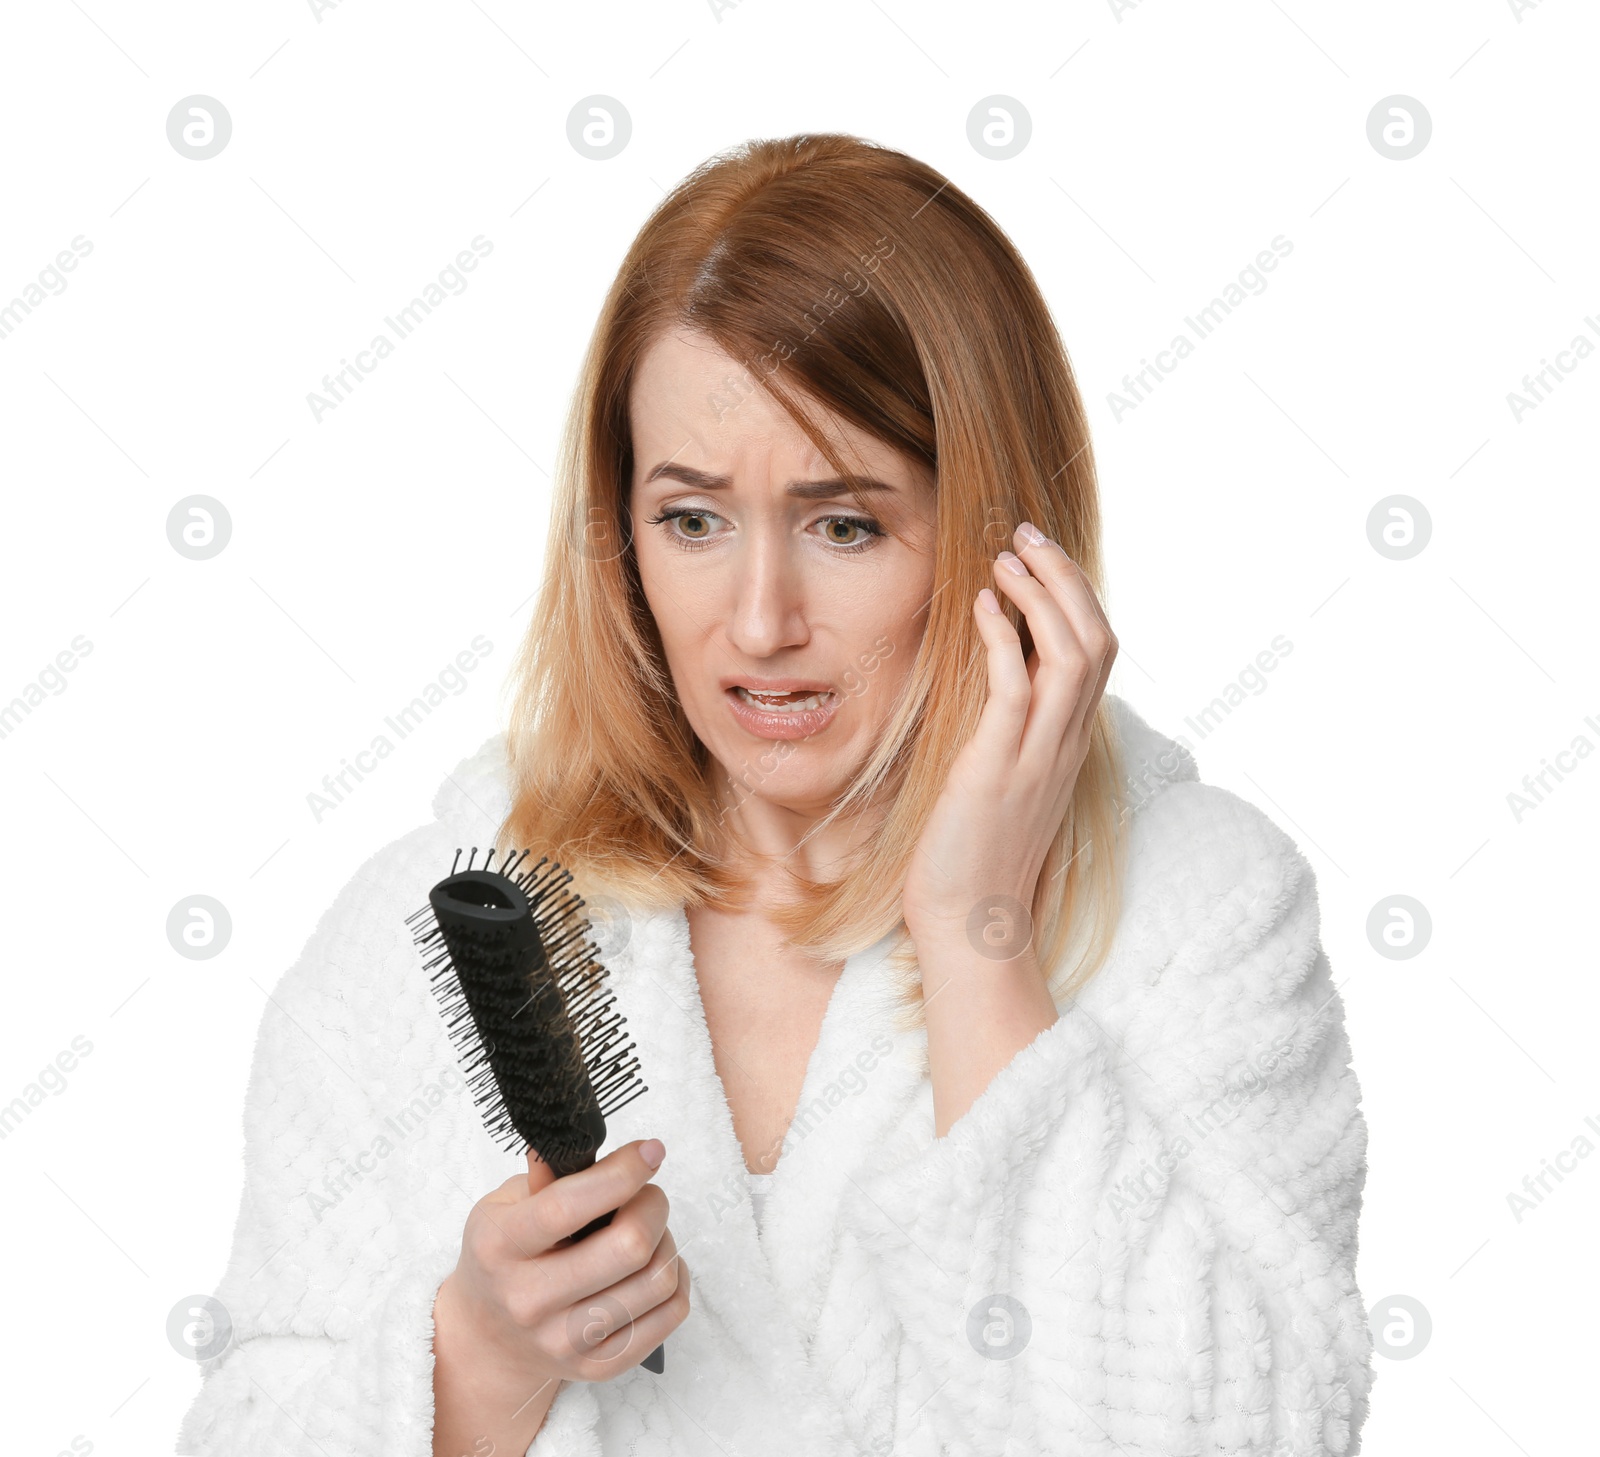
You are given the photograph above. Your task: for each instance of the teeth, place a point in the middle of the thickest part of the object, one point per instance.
(774, 703)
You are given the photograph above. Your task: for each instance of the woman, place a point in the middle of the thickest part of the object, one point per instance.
(997, 1093)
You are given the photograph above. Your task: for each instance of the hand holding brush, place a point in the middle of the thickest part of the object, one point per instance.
(525, 1308)
(527, 1006)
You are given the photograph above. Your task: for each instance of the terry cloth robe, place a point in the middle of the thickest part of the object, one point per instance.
(1139, 1241)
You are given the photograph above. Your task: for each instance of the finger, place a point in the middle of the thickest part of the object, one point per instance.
(1005, 711)
(1076, 597)
(581, 1269)
(514, 1189)
(493, 1222)
(631, 1295)
(553, 1212)
(540, 1174)
(1047, 552)
(572, 1202)
(631, 1343)
(1065, 668)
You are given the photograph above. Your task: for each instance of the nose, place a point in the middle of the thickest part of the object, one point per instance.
(767, 596)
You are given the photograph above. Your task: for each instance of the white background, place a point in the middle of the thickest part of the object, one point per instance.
(1170, 144)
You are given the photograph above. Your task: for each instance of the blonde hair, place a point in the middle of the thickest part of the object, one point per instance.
(848, 275)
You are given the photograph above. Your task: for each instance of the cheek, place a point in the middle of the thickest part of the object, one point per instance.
(686, 622)
(678, 583)
(883, 646)
(672, 600)
(903, 622)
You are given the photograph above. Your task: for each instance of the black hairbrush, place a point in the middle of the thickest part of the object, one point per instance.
(527, 1006)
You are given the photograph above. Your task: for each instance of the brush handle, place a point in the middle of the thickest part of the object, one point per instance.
(657, 1360)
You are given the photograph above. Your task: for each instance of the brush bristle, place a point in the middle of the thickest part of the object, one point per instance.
(527, 1005)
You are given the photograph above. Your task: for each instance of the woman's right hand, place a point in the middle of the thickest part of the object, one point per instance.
(525, 1308)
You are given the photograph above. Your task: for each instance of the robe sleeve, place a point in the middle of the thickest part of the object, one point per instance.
(1141, 1237)
(329, 1296)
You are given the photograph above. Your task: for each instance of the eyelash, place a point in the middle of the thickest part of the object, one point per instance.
(670, 513)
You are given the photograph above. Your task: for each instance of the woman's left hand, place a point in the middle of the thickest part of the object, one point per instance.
(1008, 790)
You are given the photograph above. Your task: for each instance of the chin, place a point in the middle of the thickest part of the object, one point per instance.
(777, 773)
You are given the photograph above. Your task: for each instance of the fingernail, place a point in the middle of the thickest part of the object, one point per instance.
(991, 603)
(1014, 563)
(1030, 535)
(652, 1151)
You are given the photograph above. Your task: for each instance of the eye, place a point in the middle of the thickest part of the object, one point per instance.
(693, 540)
(864, 524)
(844, 534)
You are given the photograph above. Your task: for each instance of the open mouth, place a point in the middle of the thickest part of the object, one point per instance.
(799, 713)
(799, 702)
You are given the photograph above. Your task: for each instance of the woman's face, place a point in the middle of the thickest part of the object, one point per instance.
(789, 618)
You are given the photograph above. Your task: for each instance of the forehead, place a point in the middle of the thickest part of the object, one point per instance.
(691, 401)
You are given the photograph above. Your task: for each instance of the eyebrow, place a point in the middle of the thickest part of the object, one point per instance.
(802, 490)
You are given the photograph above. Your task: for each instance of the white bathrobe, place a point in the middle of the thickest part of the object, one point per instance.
(1139, 1240)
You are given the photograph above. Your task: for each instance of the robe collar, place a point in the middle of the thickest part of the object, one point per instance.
(767, 1288)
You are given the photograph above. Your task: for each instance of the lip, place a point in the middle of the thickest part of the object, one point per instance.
(775, 685)
(775, 725)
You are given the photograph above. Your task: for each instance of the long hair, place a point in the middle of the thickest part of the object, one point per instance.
(846, 275)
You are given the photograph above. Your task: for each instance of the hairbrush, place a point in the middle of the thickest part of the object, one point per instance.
(528, 1007)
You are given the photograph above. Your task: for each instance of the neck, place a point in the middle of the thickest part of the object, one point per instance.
(764, 839)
